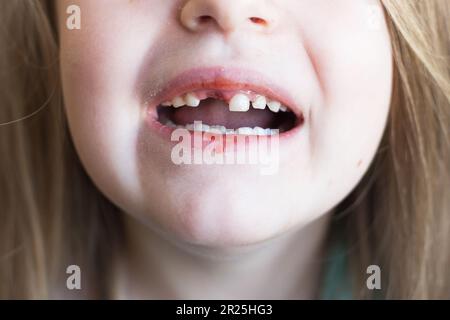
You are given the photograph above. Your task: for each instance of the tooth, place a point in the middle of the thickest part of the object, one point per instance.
(274, 106)
(245, 131)
(239, 103)
(259, 131)
(260, 102)
(274, 132)
(190, 127)
(215, 131)
(167, 104)
(178, 102)
(268, 132)
(192, 100)
(170, 124)
(230, 131)
(218, 129)
(283, 108)
(198, 126)
(206, 128)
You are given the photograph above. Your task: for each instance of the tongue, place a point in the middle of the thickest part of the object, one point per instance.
(216, 112)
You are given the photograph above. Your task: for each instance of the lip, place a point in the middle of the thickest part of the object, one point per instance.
(220, 79)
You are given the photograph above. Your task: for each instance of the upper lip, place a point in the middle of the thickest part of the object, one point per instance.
(220, 78)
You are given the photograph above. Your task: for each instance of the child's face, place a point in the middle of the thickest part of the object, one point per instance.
(328, 60)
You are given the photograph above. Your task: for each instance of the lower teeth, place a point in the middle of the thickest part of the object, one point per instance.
(198, 127)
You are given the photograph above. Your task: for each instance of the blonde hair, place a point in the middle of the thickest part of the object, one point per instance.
(52, 215)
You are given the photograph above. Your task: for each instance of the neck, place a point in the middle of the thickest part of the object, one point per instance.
(286, 267)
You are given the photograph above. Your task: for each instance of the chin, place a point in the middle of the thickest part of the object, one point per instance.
(219, 218)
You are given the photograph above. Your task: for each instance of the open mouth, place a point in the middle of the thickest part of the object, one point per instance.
(242, 112)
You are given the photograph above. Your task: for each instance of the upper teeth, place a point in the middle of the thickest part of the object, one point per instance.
(238, 103)
(192, 100)
(274, 106)
(178, 102)
(260, 102)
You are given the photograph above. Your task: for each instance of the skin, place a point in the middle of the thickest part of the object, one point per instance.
(214, 222)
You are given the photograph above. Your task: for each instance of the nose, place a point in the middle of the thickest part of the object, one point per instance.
(227, 15)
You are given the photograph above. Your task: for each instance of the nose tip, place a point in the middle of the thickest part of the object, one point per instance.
(227, 16)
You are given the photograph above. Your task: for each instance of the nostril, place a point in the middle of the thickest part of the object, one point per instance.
(259, 21)
(204, 19)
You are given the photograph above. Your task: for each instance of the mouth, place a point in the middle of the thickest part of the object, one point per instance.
(225, 102)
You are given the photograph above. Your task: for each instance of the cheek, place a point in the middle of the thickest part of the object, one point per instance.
(102, 109)
(354, 65)
(100, 71)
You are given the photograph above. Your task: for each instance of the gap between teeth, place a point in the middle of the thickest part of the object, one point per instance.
(238, 103)
(258, 131)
